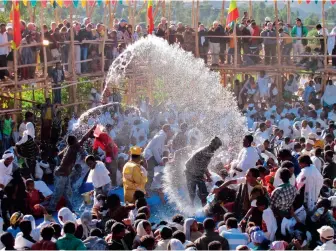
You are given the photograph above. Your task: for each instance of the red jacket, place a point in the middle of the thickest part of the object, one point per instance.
(105, 142)
(44, 245)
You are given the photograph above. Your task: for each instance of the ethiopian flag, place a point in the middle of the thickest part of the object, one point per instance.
(150, 16)
(233, 13)
(16, 25)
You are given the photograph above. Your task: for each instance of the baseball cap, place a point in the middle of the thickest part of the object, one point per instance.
(326, 232)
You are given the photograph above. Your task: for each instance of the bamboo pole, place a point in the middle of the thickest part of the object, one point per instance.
(163, 8)
(104, 40)
(196, 31)
(251, 9)
(278, 48)
(288, 12)
(110, 15)
(73, 63)
(222, 12)
(45, 58)
(193, 13)
(236, 44)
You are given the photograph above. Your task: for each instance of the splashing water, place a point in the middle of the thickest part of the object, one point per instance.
(191, 88)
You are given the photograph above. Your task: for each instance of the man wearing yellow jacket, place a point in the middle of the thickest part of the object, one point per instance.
(134, 175)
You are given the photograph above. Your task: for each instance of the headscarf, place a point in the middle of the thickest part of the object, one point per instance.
(258, 236)
(297, 132)
(278, 245)
(15, 218)
(186, 228)
(175, 244)
(141, 231)
(7, 155)
(66, 215)
(30, 131)
(87, 223)
(35, 233)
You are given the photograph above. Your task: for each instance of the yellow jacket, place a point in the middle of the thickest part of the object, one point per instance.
(133, 179)
(319, 143)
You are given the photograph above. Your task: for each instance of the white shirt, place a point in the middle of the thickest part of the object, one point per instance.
(5, 173)
(99, 175)
(4, 50)
(317, 162)
(285, 125)
(263, 84)
(247, 159)
(329, 245)
(277, 181)
(155, 147)
(271, 223)
(321, 33)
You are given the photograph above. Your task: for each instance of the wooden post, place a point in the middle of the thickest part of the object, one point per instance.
(104, 39)
(163, 8)
(45, 58)
(288, 12)
(222, 13)
(250, 9)
(110, 15)
(30, 13)
(236, 44)
(193, 14)
(277, 32)
(196, 30)
(73, 61)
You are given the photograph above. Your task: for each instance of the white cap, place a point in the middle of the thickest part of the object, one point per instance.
(326, 232)
(267, 19)
(312, 135)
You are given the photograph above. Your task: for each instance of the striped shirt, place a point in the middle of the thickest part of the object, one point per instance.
(235, 237)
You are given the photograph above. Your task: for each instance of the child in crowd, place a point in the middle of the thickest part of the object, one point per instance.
(35, 199)
(158, 179)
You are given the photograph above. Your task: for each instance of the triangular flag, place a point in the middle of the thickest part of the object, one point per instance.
(83, 3)
(44, 3)
(75, 3)
(308, 1)
(333, 1)
(300, 1)
(60, 3)
(67, 3)
(25, 2)
(33, 3)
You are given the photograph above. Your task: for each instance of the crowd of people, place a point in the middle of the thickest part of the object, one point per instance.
(216, 43)
(278, 193)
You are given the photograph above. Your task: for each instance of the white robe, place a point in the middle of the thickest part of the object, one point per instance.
(305, 131)
(247, 159)
(5, 173)
(313, 181)
(329, 95)
(285, 125)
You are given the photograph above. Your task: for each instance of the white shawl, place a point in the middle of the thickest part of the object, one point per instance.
(331, 40)
(30, 131)
(313, 181)
(5, 173)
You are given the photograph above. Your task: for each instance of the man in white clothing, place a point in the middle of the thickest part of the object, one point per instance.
(285, 125)
(247, 158)
(263, 85)
(6, 169)
(327, 238)
(261, 134)
(154, 151)
(4, 50)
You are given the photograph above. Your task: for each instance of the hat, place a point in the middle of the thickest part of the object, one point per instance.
(251, 105)
(15, 218)
(326, 232)
(267, 19)
(123, 21)
(135, 150)
(311, 142)
(312, 135)
(258, 237)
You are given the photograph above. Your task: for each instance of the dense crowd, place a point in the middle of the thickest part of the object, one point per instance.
(278, 193)
(217, 42)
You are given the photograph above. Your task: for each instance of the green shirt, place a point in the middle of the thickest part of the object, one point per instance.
(7, 127)
(70, 242)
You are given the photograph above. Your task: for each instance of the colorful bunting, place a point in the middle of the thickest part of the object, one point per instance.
(33, 3)
(25, 2)
(67, 3)
(83, 3)
(75, 3)
(333, 1)
(300, 1)
(59, 3)
(308, 1)
(44, 3)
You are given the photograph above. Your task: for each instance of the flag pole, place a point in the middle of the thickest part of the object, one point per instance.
(15, 62)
